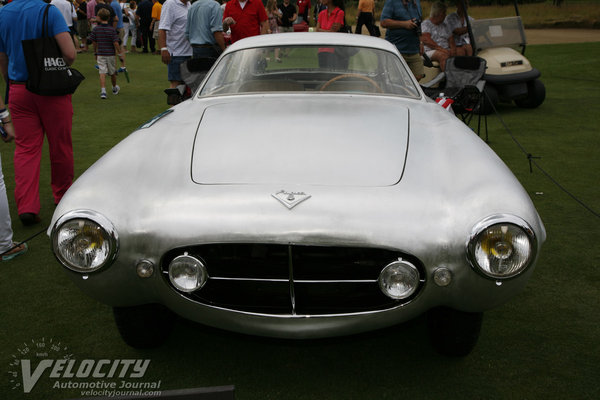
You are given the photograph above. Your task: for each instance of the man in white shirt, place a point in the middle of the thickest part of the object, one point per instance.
(175, 48)
(67, 9)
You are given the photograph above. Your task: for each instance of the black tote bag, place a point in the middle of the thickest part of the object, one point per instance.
(49, 74)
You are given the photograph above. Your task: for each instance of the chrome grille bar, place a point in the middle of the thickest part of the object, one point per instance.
(291, 277)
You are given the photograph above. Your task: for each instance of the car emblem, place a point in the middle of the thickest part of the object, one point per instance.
(290, 199)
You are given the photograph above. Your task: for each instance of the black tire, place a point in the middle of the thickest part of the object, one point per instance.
(490, 100)
(536, 94)
(146, 326)
(453, 333)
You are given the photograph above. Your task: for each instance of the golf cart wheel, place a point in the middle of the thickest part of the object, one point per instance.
(146, 326)
(453, 333)
(490, 100)
(536, 94)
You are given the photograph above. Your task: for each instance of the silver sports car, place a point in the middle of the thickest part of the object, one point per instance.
(308, 189)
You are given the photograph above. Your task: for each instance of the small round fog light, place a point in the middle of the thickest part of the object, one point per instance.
(399, 280)
(442, 277)
(187, 273)
(145, 269)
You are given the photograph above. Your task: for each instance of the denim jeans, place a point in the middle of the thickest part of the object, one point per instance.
(173, 69)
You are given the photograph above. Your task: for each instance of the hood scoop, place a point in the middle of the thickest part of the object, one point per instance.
(341, 141)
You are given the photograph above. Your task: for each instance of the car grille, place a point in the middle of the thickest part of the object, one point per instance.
(292, 279)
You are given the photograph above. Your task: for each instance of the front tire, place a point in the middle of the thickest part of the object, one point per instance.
(536, 94)
(453, 333)
(146, 326)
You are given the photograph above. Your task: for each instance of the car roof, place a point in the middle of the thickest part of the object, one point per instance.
(313, 39)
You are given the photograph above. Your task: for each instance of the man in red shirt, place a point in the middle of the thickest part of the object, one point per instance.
(303, 7)
(245, 18)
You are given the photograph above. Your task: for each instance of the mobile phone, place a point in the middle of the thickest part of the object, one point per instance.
(3, 132)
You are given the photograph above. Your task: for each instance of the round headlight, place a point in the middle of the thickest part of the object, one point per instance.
(502, 249)
(399, 280)
(187, 273)
(84, 241)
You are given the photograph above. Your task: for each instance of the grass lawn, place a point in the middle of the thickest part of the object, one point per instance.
(544, 344)
(571, 13)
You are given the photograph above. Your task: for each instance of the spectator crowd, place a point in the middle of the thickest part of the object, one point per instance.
(203, 28)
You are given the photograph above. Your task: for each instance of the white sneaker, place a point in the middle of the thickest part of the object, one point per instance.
(103, 95)
(116, 89)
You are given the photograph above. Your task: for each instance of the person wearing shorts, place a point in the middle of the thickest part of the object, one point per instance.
(415, 64)
(106, 46)
(175, 48)
(402, 21)
(437, 36)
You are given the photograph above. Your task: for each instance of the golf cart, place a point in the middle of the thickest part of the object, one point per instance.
(509, 75)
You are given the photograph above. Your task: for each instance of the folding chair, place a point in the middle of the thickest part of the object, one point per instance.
(464, 85)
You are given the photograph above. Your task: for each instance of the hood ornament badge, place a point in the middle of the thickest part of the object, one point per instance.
(290, 199)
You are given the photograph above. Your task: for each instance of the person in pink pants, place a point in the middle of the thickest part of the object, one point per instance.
(34, 115)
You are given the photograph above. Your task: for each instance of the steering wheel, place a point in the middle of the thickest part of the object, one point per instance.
(344, 76)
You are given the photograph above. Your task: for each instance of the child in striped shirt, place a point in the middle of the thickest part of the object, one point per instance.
(106, 46)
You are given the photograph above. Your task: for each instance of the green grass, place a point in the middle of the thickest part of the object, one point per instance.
(541, 345)
(544, 15)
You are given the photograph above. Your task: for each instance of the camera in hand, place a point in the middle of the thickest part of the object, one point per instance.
(417, 21)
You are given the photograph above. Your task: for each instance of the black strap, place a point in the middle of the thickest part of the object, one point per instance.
(343, 27)
(45, 22)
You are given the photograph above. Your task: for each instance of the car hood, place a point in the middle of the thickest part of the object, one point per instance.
(450, 179)
(301, 141)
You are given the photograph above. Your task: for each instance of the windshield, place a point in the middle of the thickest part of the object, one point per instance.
(310, 69)
(498, 32)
